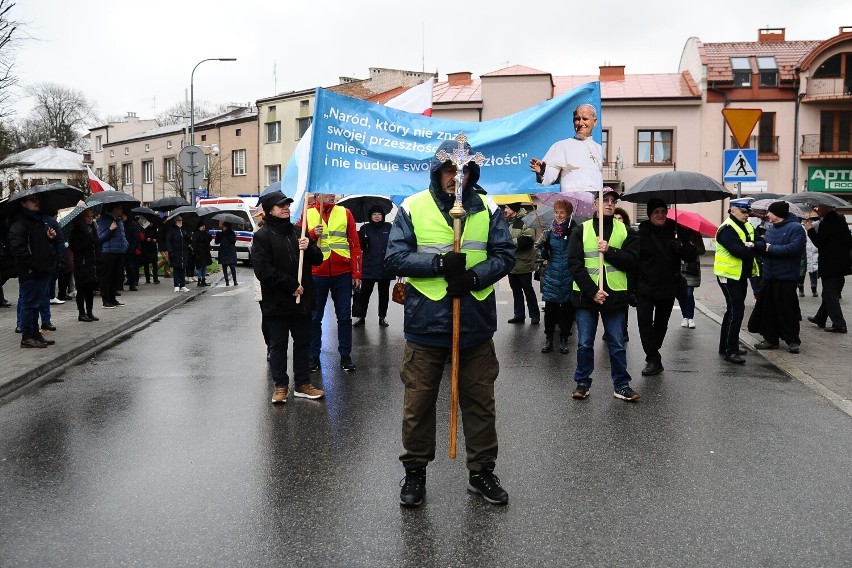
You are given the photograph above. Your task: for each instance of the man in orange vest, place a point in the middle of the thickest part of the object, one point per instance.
(334, 230)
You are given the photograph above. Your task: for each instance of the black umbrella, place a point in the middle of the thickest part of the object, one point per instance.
(677, 187)
(814, 198)
(168, 203)
(148, 213)
(187, 213)
(230, 218)
(360, 205)
(52, 197)
(113, 198)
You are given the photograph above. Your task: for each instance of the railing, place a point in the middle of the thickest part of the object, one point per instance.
(764, 144)
(819, 144)
(610, 170)
(829, 87)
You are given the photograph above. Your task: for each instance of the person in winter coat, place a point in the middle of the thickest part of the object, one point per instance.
(776, 314)
(133, 256)
(287, 297)
(226, 238)
(178, 245)
(420, 247)
(556, 282)
(834, 243)
(520, 278)
(373, 237)
(592, 302)
(31, 244)
(734, 265)
(83, 242)
(113, 247)
(691, 271)
(150, 253)
(662, 249)
(201, 245)
(7, 262)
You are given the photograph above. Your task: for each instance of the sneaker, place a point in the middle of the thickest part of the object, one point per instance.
(627, 394)
(765, 345)
(92, 317)
(346, 364)
(487, 484)
(691, 324)
(582, 391)
(177, 288)
(684, 322)
(308, 390)
(413, 486)
(184, 289)
(118, 303)
(735, 358)
(109, 306)
(56, 301)
(793, 347)
(314, 365)
(280, 395)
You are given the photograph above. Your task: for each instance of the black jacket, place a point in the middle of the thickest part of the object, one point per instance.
(178, 244)
(201, 246)
(133, 234)
(626, 259)
(660, 256)
(275, 258)
(83, 242)
(34, 252)
(374, 244)
(833, 240)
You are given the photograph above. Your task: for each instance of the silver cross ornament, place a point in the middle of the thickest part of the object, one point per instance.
(460, 158)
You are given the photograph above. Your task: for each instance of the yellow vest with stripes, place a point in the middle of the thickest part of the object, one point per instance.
(727, 265)
(435, 236)
(334, 236)
(616, 280)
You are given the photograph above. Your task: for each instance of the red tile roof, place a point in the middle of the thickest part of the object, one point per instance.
(788, 55)
(656, 86)
(515, 70)
(457, 92)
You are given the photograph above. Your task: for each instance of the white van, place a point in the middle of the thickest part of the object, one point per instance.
(242, 208)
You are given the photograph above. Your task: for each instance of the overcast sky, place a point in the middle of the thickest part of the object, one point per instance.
(138, 56)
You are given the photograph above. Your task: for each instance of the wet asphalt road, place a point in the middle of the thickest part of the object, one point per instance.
(165, 451)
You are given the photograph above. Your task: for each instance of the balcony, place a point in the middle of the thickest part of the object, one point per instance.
(819, 147)
(828, 88)
(610, 171)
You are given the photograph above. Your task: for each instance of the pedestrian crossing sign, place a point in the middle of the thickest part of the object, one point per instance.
(740, 165)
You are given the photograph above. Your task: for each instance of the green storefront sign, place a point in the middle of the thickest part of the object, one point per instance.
(834, 180)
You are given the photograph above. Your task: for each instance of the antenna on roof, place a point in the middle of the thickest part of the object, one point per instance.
(423, 47)
(275, 77)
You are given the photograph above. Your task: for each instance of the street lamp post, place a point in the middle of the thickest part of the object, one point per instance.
(192, 108)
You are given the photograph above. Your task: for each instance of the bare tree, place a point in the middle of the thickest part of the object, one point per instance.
(60, 112)
(179, 113)
(8, 41)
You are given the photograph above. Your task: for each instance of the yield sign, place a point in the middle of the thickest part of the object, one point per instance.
(741, 121)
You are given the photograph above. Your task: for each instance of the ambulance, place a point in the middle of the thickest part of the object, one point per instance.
(244, 207)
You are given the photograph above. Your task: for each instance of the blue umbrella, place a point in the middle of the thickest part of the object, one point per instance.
(65, 222)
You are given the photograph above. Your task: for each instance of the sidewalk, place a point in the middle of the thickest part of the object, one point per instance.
(76, 340)
(824, 362)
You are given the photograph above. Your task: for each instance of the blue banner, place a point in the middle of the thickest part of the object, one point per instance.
(363, 148)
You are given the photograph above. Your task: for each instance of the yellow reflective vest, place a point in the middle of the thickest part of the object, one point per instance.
(727, 265)
(435, 236)
(334, 236)
(615, 279)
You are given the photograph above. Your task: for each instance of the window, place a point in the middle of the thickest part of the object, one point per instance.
(273, 174)
(835, 131)
(302, 125)
(99, 147)
(204, 138)
(168, 144)
(741, 68)
(239, 131)
(112, 153)
(113, 175)
(271, 108)
(766, 139)
(654, 147)
(238, 159)
(605, 145)
(170, 167)
(304, 103)
(148, 171)
(126, 151)
(127, 174)
(273, 132)
(99, 173)
(147, 147)
(768, 69)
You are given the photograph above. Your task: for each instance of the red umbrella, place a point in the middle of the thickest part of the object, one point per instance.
(693, 221)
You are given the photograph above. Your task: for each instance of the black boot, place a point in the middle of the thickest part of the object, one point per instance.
(487, 484)
(413, 486)
(92, 317)
(359, 322)
(801, 291)
(814, 292)
(548, 343)
(563, 345)
(383, 322)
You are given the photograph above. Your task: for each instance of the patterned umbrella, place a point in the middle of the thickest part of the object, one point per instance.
(583, 201)
(763, 205)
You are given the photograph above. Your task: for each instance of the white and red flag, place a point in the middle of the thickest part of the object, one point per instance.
(96, 185)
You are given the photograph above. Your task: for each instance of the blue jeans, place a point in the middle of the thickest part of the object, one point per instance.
(587, 329)
(201, 273)
(31, 293)
(341, 294)
(687, 303)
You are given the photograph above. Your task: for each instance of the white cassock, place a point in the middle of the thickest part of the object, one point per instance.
(580, 163)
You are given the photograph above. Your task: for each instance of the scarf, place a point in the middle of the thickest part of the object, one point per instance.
(558, 229)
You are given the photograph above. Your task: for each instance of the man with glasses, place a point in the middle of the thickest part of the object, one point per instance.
(574, 163)
(620, 256)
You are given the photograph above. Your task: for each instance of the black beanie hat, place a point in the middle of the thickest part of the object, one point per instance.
(654, 203)
(779, 209)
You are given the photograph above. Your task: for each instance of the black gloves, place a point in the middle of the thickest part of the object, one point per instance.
(451, 264)
(460, 284)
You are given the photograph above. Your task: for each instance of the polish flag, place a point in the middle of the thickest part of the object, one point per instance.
(96, 185)
(417, 99)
